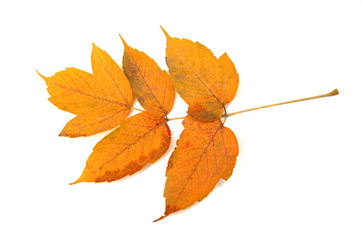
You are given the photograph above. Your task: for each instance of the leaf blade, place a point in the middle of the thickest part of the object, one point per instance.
(139, 140)
(100, 100)
(152, 86)
(205, 153)
(203, 81)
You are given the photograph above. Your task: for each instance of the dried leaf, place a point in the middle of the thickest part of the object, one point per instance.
(205, 153)
(152, 86)
(203, 81)
(139, 140)
(101, 100)
(206, 150)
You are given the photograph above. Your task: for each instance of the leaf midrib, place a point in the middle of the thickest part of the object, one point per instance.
(110, 76)
(195, 168)
(150, 89)
(133, 143)
(90, 95)
(198, 77)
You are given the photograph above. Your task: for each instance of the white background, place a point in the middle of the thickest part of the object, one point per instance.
(298, 174)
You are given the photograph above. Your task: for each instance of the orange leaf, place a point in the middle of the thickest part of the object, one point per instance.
(205, 153)
(152, 86)
(203, 81)
(139, 140)
(101, 100)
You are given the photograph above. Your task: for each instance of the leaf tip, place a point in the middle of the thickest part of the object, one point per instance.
(65, 133)
(62, 134)
(68, 132)
(73, 183)
(40, 74)
(95, 47)
(165, 32)
(162, 217)
(125, 44)
(79, 180)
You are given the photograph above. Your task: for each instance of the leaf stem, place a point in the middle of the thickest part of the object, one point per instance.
(177, 118)
(140, 110)
(226, 115)
(332, 93)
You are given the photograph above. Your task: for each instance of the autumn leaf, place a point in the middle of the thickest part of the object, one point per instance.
(101, 100)
(205, 153)
(139, 140)
(152, 86)
(203, 81)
